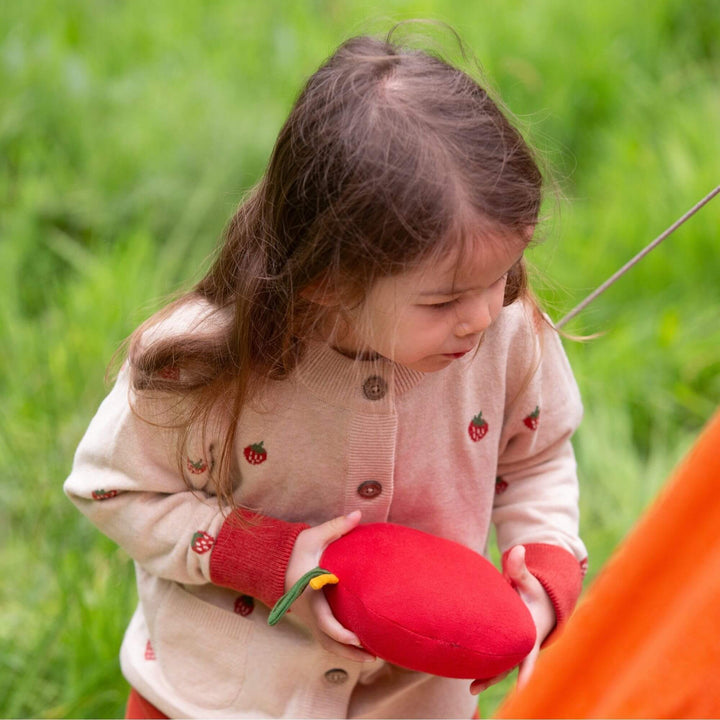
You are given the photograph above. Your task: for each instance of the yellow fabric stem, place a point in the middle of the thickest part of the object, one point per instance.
(321, 580)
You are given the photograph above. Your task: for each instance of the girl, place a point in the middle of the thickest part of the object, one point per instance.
(364, 348)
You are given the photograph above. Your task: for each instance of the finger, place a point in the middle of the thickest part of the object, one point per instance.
(515, 568)
(478, 686)
(329, 624)
(526, 667)
(348, 652)
(339, 526)
(334, 636)
(516, 571)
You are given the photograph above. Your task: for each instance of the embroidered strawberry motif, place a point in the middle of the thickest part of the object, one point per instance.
(202, 542)
(244, 605)
(533, 418)
(196, 467)
(478, 427)
(104, 494)
(500, 486)
(149, 651)
(255, 453)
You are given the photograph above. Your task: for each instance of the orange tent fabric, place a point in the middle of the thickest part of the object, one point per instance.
(644, 641)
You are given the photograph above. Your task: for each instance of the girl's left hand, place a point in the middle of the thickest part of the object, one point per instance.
(311, 607)
(541, 609)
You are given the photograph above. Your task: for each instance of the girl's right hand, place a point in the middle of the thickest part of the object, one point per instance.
(312, 607)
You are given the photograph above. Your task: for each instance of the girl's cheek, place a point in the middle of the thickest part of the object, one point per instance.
(498, 300)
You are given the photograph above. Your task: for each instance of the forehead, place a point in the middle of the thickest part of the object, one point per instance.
(470, 263)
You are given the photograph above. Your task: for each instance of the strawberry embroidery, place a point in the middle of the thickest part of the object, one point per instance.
(149, 651)
(255, 453)
(202, 542)
(533, 418)
(244, 605)
(478, 427)
(196, 467)
(104, 494)
(500, 486)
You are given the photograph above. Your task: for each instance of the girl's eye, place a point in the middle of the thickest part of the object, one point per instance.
(442, 305)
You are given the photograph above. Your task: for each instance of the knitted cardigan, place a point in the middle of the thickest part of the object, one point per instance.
(486, 440)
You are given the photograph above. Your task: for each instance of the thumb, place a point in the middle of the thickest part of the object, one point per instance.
(337, 527)
(514, 567)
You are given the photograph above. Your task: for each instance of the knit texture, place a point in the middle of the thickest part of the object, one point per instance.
(251, 554)
(426, 603)
(560, 574)
(487, 440)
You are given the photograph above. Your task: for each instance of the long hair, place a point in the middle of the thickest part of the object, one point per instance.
(388, 155)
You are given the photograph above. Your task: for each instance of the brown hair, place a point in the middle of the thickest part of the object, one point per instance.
(388, 154)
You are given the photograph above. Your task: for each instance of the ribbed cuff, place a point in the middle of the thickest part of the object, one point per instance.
(560, 574)
(251, 554)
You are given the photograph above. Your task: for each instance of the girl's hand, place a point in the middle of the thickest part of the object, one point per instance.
(312, 607)
(538, 603)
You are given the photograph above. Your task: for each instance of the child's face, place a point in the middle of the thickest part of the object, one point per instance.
(432, 315)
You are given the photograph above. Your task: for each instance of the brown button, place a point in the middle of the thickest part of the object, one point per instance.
(374, 388)
(369, 489)
(336, 676)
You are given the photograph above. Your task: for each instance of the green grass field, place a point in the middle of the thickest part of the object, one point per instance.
(128, 132)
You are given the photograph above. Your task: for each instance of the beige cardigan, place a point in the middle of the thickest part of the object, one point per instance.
(486, 440)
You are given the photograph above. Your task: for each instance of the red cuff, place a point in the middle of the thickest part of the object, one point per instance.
(560, 574)
(251, 554)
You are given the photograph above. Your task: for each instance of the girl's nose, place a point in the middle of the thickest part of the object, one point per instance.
(473, 324)
(474, 319)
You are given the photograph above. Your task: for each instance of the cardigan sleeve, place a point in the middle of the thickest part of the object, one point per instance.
(159, 506)
(536, 499)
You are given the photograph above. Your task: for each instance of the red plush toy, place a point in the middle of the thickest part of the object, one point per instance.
(422, 602)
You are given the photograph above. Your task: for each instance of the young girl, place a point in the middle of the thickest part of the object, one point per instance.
(363, 349)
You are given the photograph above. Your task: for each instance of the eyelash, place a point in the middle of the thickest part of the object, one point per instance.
(448, 303)
(443, 305)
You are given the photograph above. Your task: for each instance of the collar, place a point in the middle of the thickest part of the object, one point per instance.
(371, 385)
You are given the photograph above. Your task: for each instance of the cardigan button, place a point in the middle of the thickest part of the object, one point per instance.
(336, 676)
(369, 489)
(374, 388)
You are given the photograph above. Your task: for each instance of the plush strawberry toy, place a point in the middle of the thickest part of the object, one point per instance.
(422, 602)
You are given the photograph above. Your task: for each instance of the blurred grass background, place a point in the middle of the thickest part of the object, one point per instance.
(129, 130)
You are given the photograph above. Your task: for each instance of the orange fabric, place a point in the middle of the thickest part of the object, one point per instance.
(645, 639)
(141, 709)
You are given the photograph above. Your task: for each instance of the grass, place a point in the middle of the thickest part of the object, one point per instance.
(127, 134)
